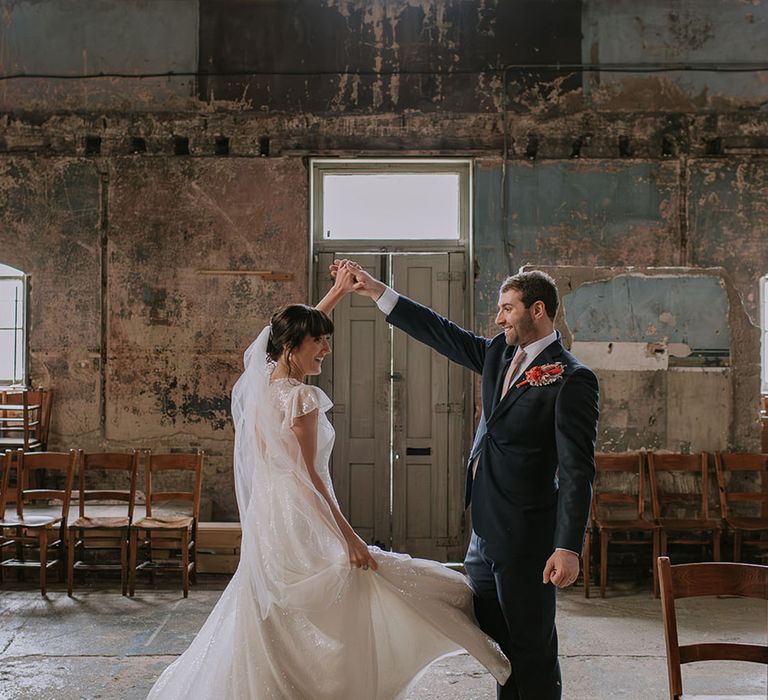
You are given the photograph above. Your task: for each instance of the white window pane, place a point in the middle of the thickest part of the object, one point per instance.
(7, 351)
(19, 370)
(11, 303)
(765, 303)
(391, 206)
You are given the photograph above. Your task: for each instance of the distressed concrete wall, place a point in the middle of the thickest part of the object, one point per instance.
(665, 383)
(92, 37)
(574, 168)
(50, 229)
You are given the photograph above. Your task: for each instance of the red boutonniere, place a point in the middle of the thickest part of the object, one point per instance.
(541, 375)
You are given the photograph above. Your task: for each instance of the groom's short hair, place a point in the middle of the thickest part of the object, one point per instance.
(534, 285)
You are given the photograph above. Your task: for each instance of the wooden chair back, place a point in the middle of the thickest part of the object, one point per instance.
(20, 425)
(63, 462)
(112, 462)
(730, 465)
(625, 500)
(179, 462)
(43, 398)
(707, 579)
(677, 468)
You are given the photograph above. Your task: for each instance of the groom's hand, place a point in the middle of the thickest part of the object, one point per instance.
(562, 568)
(365, 284)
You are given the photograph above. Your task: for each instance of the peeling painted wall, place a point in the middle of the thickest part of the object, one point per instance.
(120, 194)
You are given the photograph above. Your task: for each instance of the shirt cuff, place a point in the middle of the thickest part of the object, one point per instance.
(387, 301)
(563, 549)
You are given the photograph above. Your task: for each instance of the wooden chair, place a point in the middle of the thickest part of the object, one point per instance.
(19, 421)
(89, 534)
(167, 532)
(6, 544)
(40, 529)
(618, 509)
(682, 514)
(707, 579)
(743, 505)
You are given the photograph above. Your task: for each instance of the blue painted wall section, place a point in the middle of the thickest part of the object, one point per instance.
(641, 309)
(573, 213)
(704, 31)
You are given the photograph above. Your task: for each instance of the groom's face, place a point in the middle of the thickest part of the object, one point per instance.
(517, 321)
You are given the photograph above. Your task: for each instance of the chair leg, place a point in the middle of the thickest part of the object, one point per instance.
(70, 562)
(62, 547)
(42, 540)
(193, 572)
(586, 560)
(663, 544)
(655, 544)
(19, 555)
(124, 563)
(603, 561)
(716, 535)
(737, 539)
(185, 562)
(134, 543)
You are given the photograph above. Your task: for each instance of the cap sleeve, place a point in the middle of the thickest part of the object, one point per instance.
(303, 400)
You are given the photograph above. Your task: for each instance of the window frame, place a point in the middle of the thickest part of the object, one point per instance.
(21, 381)
(764, 335)
(319, 167)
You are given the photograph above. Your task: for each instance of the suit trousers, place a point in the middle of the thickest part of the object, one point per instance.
(515, 608)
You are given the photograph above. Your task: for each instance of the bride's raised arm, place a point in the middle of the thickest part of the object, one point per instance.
(343, 285)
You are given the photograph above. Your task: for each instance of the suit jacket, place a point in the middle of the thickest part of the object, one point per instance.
(535, 447)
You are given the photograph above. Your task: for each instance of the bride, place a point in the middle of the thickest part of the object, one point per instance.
(312, 612)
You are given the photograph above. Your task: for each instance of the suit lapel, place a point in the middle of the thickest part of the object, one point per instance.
(549, 354)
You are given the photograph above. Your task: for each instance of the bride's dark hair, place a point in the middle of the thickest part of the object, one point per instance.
(291, 324)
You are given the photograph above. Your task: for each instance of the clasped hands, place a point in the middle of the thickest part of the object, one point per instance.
(350, 277)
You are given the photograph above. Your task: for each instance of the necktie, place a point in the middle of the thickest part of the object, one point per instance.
(517, 360)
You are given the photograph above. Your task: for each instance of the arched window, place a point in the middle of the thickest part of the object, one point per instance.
(13, 336)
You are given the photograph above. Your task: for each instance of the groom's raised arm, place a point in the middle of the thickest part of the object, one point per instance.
(432, 329)
(423, 324)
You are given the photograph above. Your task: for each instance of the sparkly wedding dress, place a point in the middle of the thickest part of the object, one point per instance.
(297, 622)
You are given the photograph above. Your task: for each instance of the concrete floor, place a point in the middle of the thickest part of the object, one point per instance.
(101, 645)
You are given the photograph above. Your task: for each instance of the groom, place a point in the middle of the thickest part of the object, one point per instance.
(530, 471)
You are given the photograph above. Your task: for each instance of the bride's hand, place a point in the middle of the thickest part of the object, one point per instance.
(364, 283)
(359, 554)
(344, 278)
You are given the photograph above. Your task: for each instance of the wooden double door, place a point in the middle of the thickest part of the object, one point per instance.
(402, 412)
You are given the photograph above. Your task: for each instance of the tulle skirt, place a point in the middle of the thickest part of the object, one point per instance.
(371, 643)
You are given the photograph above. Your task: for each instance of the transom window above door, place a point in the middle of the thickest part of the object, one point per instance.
(395, 202)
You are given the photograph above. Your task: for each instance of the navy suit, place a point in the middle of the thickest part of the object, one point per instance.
(530, 494)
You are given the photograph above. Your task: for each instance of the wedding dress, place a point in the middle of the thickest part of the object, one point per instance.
(297, 622)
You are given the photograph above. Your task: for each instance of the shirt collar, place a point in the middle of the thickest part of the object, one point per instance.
(534, 348)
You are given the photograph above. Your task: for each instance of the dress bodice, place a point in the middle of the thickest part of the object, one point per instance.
(296, 399)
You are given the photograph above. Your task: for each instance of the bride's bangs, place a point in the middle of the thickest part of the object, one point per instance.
(319, 323)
